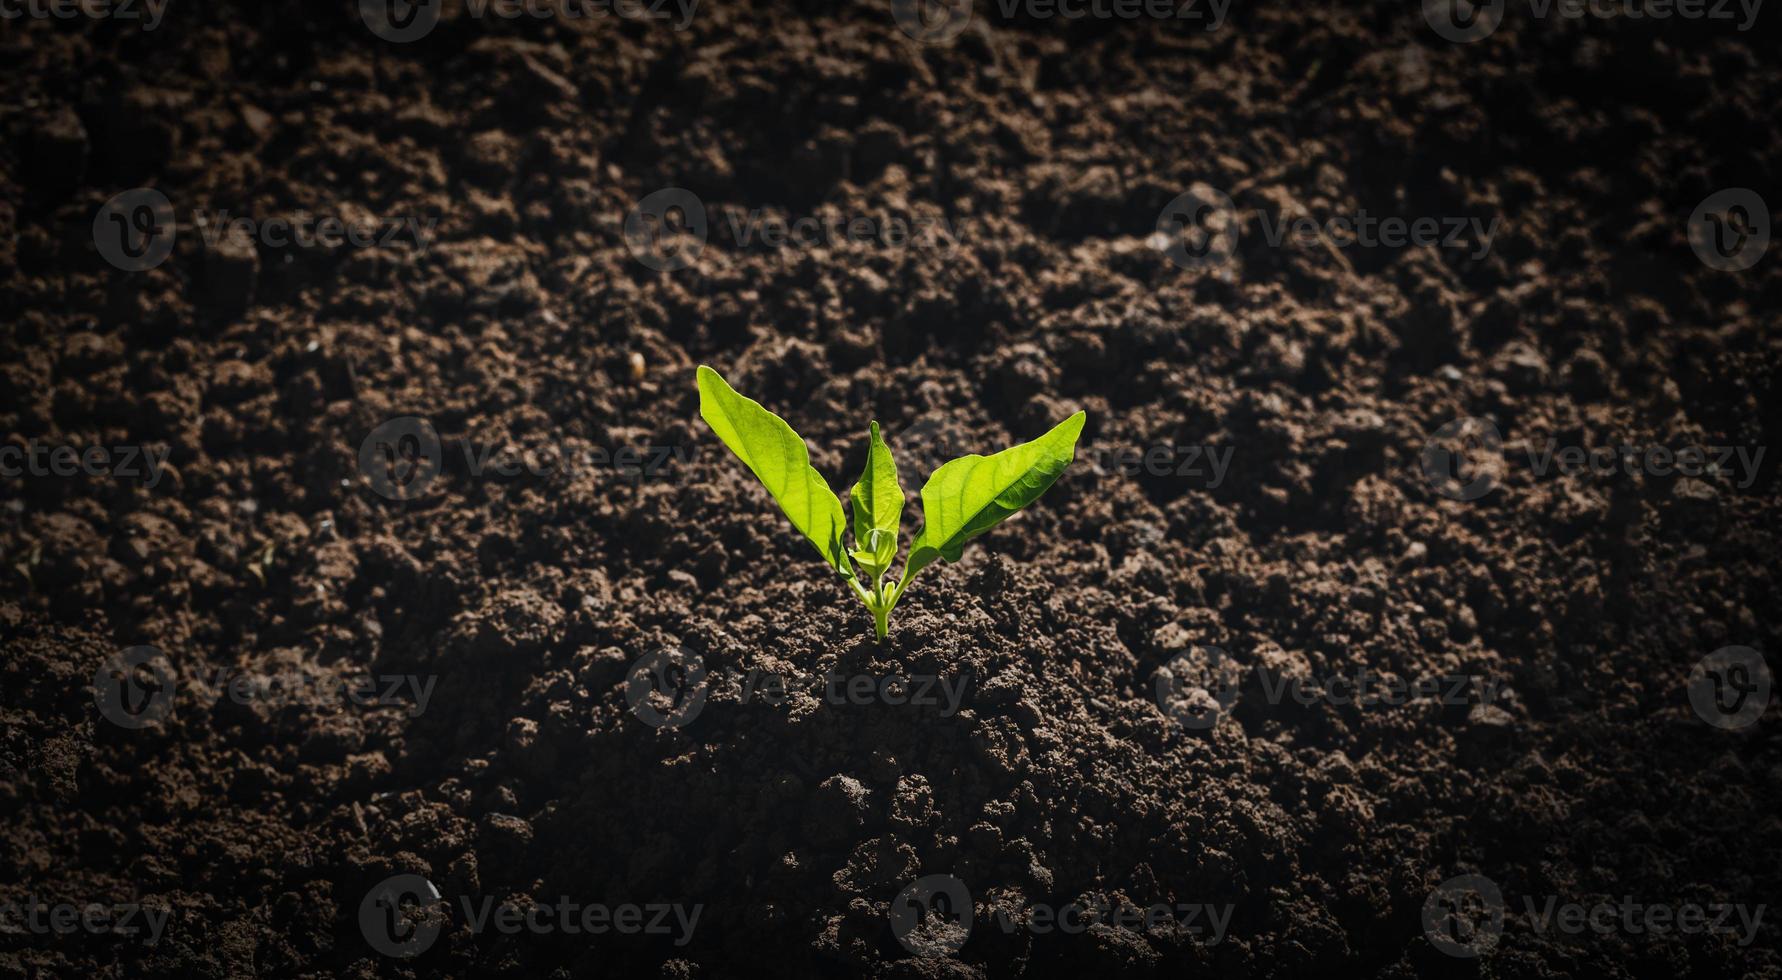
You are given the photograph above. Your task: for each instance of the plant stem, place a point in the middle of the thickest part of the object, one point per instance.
(878, 600)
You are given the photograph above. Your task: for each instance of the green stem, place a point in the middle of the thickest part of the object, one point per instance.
(878, 600)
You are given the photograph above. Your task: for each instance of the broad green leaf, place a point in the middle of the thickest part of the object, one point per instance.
(779, 459)
(972, 494)
(878, 507)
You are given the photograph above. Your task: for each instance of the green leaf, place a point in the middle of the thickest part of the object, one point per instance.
(878, 507)
(972, 494)
(779, 459)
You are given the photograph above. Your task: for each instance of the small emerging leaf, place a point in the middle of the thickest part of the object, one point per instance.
(778, 458)
(878, 507)
(972, 494)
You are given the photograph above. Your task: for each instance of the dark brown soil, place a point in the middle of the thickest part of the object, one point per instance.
(794, 823)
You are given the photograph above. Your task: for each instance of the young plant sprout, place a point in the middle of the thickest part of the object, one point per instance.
(961, 500)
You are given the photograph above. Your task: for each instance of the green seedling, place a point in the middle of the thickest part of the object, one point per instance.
(961, 500)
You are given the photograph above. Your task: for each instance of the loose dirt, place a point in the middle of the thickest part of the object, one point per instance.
(1059, 776)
